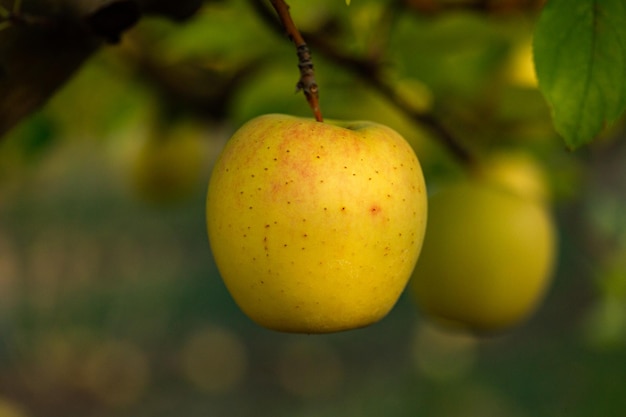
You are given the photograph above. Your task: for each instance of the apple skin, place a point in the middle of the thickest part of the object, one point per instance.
(316, 227)
(487, 258)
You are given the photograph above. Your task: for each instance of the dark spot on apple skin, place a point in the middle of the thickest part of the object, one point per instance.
(375, 209)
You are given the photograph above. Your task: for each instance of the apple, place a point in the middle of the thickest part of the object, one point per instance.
(168, 164)
(521, 65)
(316, 227)
(487, 258)
(515, 171)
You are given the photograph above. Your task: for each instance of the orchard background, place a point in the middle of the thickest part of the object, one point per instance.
(109, 301)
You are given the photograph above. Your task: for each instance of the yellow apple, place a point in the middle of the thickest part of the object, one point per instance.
(316, 227)
(487, 259)
(168, 165)
(517, 172)
(521, 65)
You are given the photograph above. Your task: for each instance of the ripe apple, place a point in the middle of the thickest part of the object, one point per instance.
(316, 227)
(487, 259)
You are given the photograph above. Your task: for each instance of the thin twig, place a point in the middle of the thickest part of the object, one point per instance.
(307, 81)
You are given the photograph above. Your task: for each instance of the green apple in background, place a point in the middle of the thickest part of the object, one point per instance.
(316, 227)
(489, 251)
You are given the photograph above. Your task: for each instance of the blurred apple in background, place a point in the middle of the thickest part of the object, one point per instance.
(521, 65)
(489, 252)
(168, 165)
(515, 171)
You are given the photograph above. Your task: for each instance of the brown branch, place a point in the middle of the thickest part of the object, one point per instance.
(307, 81)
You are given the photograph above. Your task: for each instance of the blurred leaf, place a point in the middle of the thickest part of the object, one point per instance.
(221, 33)
(605, 324)
(271, 91)
(580, 57)
(37, 135)
(117, 102)
(455, 54)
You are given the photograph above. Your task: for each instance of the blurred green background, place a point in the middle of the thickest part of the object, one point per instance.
(110, 304)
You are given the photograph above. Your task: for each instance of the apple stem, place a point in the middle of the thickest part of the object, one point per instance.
(307, 81)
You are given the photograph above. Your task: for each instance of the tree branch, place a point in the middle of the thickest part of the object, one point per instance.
(307, 81)
(42, 47)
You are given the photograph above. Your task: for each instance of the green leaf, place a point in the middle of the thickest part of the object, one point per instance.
(580, 59)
